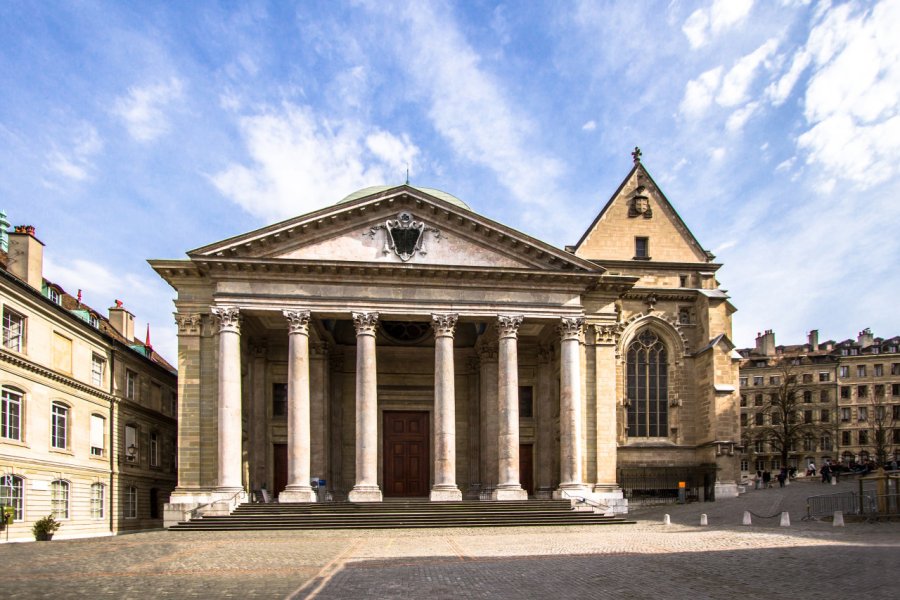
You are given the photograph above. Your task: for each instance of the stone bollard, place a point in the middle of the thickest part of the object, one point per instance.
(785, 519)
(703, 520)
(747, 519)
(667, 520)
(838, 520)
(834, 481)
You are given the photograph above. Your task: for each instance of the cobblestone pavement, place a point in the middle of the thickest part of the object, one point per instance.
(648, 559)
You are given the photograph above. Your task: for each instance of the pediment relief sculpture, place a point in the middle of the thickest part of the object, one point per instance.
(404, 236)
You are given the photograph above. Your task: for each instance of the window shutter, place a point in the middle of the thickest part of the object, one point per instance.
(98, 425)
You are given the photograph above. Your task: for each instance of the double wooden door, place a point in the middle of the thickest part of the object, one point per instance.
(406, 456)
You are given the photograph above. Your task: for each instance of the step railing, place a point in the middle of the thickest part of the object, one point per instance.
(219, 507)
(597, 506)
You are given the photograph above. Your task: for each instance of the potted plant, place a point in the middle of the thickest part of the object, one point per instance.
(43, 529)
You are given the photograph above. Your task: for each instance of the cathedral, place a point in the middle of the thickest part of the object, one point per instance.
(399, 344)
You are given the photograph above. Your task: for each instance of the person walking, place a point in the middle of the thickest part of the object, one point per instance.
(782, 475)
(767, 479)
(826, 473)
(811, 469)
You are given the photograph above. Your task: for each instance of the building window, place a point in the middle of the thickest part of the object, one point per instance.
(759, 446)
(895, 389)
(743, 400)
(154, 449)
(825, 415)
(173, 404)
(743, 419)
(758, 418)
(860, 370)
(98, 367)
(130, 385)
(862, 413)
(897, 412)
(758, 400)
(845, 415)
(845, 392)
(774, 380)
(824, 376)
(776, 418)
(807, 378)
(760, 464)
(131, 445)
(684, 316)
(745, 464)
(641, 247)
(809, 443)
(879, 391)
(59, 499)
(683, 281)
(743, 382)
(648, 389)
(59, 423)
(131, 502)
(761, 363)
(845, 438)
(776, 464)
(54, 296)
(279, 400)
(879, 370)
(863, 437)
(825, 443)
(93, 320)
(526, 401)
(854, 351)
(807, 416)
(807, 396)
(862, 391)
(895, 368)
(758, 380)
(11, 414)
(13, 330)
(823, 396)
(97, 500)
(98, 435)
(12, 493)
(845, 371)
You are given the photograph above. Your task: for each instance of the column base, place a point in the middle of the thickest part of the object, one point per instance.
(516, 493)
(448, 494)
(365, 493)
(297, 494)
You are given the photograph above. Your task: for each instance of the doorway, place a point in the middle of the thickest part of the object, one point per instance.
(280, 475)
(526, 467)
(406, 453)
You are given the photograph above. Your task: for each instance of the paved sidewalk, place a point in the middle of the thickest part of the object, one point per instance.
(645, 560)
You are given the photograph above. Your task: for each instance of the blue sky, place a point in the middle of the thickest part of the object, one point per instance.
(141, 130)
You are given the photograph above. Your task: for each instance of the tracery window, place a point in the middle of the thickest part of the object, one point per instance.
(647, 386)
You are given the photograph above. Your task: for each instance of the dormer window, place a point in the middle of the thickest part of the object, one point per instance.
(54, 296)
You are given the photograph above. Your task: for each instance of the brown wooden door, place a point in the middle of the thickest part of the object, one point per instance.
(280, 456)
(405, 435)
(526, 467)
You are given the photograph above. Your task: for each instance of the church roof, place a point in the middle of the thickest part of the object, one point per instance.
(374, 189)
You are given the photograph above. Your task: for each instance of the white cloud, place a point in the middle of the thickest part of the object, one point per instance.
(737, 81)
(852, 101)
(589, 126)
(706, 23)
(786, 164)
(717, 154)
(75, 161)
(778, 91)
(469, 107)
(739, 118)
(302, 161)
(698, 93)
(143, 109)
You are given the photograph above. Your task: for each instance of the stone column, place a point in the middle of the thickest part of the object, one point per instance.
(318, 410)
(508, 486)
(258, 416)
(545, 438)
(229, 476)
(489, 410)
(606, 340)
(444, 487)
(473, 423)
(298, 488)
(188, 402)
(366, 488)
(570, 417)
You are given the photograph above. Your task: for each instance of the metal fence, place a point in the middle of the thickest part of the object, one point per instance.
(659, 485)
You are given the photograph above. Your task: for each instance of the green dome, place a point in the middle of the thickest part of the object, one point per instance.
(430, 191)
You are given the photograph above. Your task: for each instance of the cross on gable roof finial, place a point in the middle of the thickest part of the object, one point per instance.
(636, 155)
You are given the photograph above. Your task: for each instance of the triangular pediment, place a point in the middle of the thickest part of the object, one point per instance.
(640, 209)
(401, 225)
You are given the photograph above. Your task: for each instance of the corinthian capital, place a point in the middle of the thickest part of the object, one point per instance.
(188, 323)
(365, 323)
(444, 324)
(570, 328)
(229, 318)
(607, 334)
(508, 325)
(298, 321)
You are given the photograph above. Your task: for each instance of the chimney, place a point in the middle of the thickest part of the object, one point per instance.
(765, 343)
(814, 340)
(122, 321)
(865, 338)
(26, 256)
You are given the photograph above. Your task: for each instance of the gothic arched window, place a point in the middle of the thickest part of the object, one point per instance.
(648, 387)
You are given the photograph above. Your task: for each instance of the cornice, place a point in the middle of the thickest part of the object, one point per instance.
(650, 265)
(46, 373)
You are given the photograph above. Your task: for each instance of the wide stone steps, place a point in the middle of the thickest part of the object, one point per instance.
(395, 514)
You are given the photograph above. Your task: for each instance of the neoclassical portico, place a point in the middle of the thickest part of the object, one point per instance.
(399, 345)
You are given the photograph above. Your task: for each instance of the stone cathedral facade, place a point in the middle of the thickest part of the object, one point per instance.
(399, 344)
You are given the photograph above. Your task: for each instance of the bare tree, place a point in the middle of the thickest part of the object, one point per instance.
(785, 427)
(883, 424)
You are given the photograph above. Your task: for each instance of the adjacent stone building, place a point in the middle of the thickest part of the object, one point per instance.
(87, 426)
(399, 344)
(849, 390)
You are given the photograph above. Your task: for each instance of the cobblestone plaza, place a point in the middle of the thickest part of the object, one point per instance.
(649, 559)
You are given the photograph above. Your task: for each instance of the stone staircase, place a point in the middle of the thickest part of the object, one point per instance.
(398, 514)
